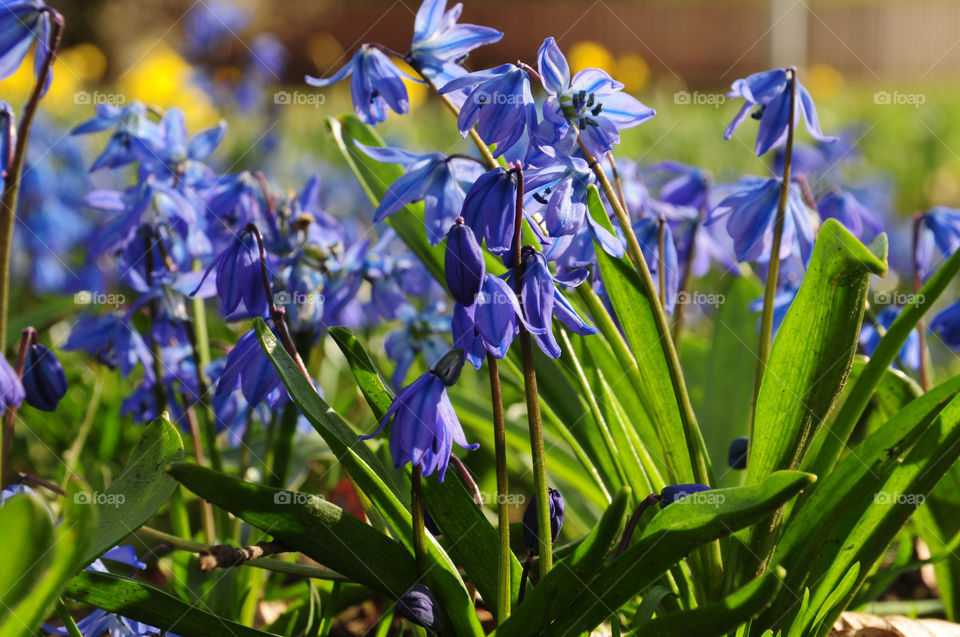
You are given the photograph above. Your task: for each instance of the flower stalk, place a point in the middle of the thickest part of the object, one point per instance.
(917, 285)
(503, 510)
(419, 532)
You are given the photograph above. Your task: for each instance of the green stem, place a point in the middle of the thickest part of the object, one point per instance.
(773, 270)
(67, 619)
(680, 310)
(11, 188)
(419, 534)
(503, 489)
(925, 374)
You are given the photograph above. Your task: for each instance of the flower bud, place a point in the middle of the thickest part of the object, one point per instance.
(557, 509)
(672, 493)
(463, 263)
(417, 605)
(737, 455)
(43, 378)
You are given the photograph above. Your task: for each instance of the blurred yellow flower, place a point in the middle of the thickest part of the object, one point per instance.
(162, 78)
(823, 81)
(416, 91)
(632, 70)
(587, 54)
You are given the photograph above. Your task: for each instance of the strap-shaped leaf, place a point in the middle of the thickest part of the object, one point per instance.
(311, 525)
(150, 605)
(140, 489)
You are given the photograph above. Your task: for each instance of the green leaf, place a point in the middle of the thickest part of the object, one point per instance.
(359, 461)
(30, 589)
(151, 606)
(364, 371)
(718, 618)
(309, 524)
(673, 533)
(883, 356)
(939, 527)
(140, 489)
(836, 602)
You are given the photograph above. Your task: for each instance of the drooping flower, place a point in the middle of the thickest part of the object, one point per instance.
(843, 206)
(440, 45)
(44, 380)
(463, 263)
(737, 453)
(870, 337)
(417, 605)
(769, 92)
(499, 102)
(647, 231)
(531, 535)
(421, 332)
(689, 189)
(248, 368)
(23, 22)
(672, 493)
(425, 425)
(428, 177)
(112, 341)
(592, 102)
(376, 84)
(946, 325)
(940, 229)
(11, 388)
(490, 209)
(490, 324)
(542, 301)
(239, 278)
(751, 214)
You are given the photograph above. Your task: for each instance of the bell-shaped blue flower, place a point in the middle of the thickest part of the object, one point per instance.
(23, 22)
(542, 301)
(44, 380)
(417, 605)
(769, 92)
(113, 341)
(672, 493)
(558, 508)
(440, 44)
(689, 188)
(499, 102)
(425, 426)
(946, 325)
(751, 213)
(940, 229)
(490, 324)
(428, 177)
(11, 388)
(239, 279)
(490, 209)
(377, 84)
(737, 453)
(843, 206)
(592, 102)
(248, 368)
(463, 263)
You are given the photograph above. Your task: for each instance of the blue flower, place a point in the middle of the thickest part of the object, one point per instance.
(531, 536)
(751, 214)
(417, 605)
(737, 453)
(843, 206)
(21, 23)
(249, 368)
(490, 209)
(425, 426)
(592, 102)
(499, 102)
(946, 325)
(690, 188)
(421, 332)
(490, 324)
(940, 228)
(542, 301)
(11, 388)
(770, 92)
(910, 352)
(44, 380)
(129, 123)
(463, 263)
(429, 177)
(440, 44)
(112, 341)
(376, 84)
(672, 493)
(239, 279)
(647, 231)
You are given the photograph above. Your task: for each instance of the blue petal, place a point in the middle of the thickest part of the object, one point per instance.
(554, 70)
